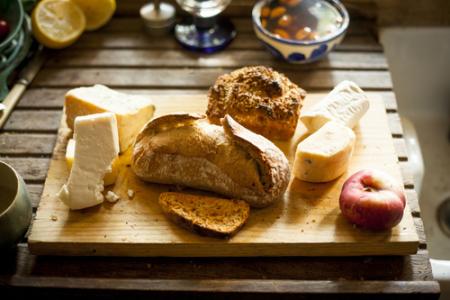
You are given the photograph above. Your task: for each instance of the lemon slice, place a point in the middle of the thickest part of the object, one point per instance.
(57, 23)
(97, 12)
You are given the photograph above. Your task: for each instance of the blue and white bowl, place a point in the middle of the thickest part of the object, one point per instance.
(296, 51)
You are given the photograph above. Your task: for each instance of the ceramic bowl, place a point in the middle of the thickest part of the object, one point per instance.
(296, 51)
(15, 207)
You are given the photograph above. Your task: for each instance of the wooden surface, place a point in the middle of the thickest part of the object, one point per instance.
(29, 136)
(306, 222)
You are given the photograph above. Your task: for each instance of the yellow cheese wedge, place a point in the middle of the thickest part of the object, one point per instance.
(110, 177)
(132, 111)
(324, 155)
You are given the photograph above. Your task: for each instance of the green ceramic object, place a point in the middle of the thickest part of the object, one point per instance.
(11, 11)
(16, 46)
(15, 207)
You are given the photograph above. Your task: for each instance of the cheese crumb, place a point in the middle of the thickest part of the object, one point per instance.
(111, 197)
(130, 193)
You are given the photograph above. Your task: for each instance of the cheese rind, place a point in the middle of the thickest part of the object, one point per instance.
(110, 177)
(96, 146)
(346, 104)
(324, 155)
(132, 111)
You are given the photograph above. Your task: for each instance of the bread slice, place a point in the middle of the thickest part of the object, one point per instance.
(210, 216)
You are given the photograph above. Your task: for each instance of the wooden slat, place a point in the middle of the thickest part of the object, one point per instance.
(395, 125)
(36, 144)
(235, 59)
(243, 25)
(31, 169)
(34, 120)
(35, 192)
(197, 78)
(413, 202)
(408, 178)
(407, 268)
(247, 41)
(233, 288)
(400, 149)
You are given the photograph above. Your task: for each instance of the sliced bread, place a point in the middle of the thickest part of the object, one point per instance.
(210, 216)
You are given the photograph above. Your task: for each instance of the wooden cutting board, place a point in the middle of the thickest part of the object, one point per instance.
(307, 222)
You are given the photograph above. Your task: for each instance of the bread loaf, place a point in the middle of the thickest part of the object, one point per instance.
(187, 150)
(260, 99)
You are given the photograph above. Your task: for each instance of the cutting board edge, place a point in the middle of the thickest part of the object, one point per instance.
(400, 248)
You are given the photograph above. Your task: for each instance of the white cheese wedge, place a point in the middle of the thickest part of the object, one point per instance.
(132, 111)
(346, 104)
(324, 155)
(110, 177)
(96, 147)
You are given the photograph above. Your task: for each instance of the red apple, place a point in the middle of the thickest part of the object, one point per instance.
(372, 199)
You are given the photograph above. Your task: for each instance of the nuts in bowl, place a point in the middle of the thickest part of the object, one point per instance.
(300, 31)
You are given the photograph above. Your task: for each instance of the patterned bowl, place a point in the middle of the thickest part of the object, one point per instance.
(296, 51)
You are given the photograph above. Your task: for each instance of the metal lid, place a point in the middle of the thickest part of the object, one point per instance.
(158, 15)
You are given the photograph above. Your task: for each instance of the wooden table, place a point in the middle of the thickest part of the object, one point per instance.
(122, 56)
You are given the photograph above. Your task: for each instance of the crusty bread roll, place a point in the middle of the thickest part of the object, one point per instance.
(185, 149)
(260, 99)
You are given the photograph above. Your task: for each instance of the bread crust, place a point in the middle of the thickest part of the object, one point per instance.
(260, 99)
(187, 150)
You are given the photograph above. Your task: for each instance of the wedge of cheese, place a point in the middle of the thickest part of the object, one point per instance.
(132, 111)
(97, 145)
(324, 155)
(110, 177)
(346, 104)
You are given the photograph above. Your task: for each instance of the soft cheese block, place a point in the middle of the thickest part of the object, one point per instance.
(110, 177)
(132, 111)
(324, 155)
(346, 104)
(96, 147)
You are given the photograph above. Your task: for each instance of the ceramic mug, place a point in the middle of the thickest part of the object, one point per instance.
(15, 207)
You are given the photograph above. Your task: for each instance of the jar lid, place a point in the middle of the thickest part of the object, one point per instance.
(158, 15)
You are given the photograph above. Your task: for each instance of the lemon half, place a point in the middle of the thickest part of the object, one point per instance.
(97, 12)
(57, 23)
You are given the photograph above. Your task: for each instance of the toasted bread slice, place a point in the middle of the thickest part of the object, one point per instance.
(210, 216)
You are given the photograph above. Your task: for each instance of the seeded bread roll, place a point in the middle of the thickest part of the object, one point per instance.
(186, 149)
(260, 99)
(210, 216)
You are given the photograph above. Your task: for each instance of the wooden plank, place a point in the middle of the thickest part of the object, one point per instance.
(406, 268)
(244, 25)
(395, 124)
(35, 192)
(34, 120)
(413, 202)
(237, 288)
(408, 178)
(248, 41)
(400, 149)
(126, 228)
(31, 169)
(26, 144)
(235, 59)
(197, 78)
